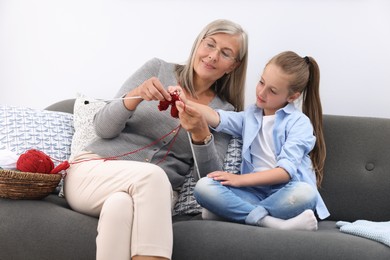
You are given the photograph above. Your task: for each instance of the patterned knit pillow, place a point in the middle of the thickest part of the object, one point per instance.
(186, 203)
(23, 128)
(83, 112)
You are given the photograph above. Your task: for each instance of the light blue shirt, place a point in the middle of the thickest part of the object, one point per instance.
(293, 138)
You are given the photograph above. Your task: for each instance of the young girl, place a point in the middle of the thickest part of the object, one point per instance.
(283, 151)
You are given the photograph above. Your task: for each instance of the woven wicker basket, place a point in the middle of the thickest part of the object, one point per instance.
(27, 185)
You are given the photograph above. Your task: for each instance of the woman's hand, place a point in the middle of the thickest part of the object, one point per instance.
(226, 178)
(150, 89)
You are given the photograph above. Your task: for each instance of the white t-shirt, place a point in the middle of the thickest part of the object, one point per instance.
(263, 147)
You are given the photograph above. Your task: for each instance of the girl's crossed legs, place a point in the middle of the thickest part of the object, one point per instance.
(291, 207)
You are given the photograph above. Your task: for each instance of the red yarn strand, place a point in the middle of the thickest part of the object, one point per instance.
(177, 129)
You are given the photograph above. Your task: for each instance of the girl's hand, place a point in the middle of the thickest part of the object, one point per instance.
(193, 121)
(226, 178)
(190, 119)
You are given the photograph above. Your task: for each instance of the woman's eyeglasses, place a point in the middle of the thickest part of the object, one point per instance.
(225, 54)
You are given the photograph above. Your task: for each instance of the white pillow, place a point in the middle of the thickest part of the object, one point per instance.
(83, 112)
(84, 133)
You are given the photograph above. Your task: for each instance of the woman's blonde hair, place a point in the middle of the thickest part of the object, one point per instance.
(229, 87)
(305, 79)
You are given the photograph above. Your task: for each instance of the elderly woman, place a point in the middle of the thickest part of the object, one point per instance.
(126, 177)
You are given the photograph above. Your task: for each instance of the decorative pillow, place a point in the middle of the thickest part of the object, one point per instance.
(232, 162)
(83, 112)
(24, 128)
(186, 203)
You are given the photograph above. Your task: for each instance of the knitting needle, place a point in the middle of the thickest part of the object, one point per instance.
(193, 155)
(107, 100)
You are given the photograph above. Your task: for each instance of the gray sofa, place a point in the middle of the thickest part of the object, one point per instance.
(356, 186)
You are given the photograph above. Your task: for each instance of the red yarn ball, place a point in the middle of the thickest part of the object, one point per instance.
(34, 161)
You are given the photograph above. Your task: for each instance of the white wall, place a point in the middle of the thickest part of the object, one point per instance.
(52, 50)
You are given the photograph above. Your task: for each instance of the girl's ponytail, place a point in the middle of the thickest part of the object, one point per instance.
(306, 80)
(312, 107)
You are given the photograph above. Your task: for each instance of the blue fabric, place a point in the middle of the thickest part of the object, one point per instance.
(377, 231)
(292, 150)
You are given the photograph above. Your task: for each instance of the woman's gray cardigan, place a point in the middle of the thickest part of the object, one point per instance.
(138, 133)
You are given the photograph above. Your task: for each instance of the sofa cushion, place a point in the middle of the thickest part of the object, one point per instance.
(45, 229)
(208, 239)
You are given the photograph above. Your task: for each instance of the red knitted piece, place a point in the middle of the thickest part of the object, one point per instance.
(163, 105)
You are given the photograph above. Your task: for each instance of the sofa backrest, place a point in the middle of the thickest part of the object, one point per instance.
(356, 182)
(65, 105)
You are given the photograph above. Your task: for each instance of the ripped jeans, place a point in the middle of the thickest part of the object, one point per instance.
(249, 205)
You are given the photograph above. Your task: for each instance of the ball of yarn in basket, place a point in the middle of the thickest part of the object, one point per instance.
(34, 161)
